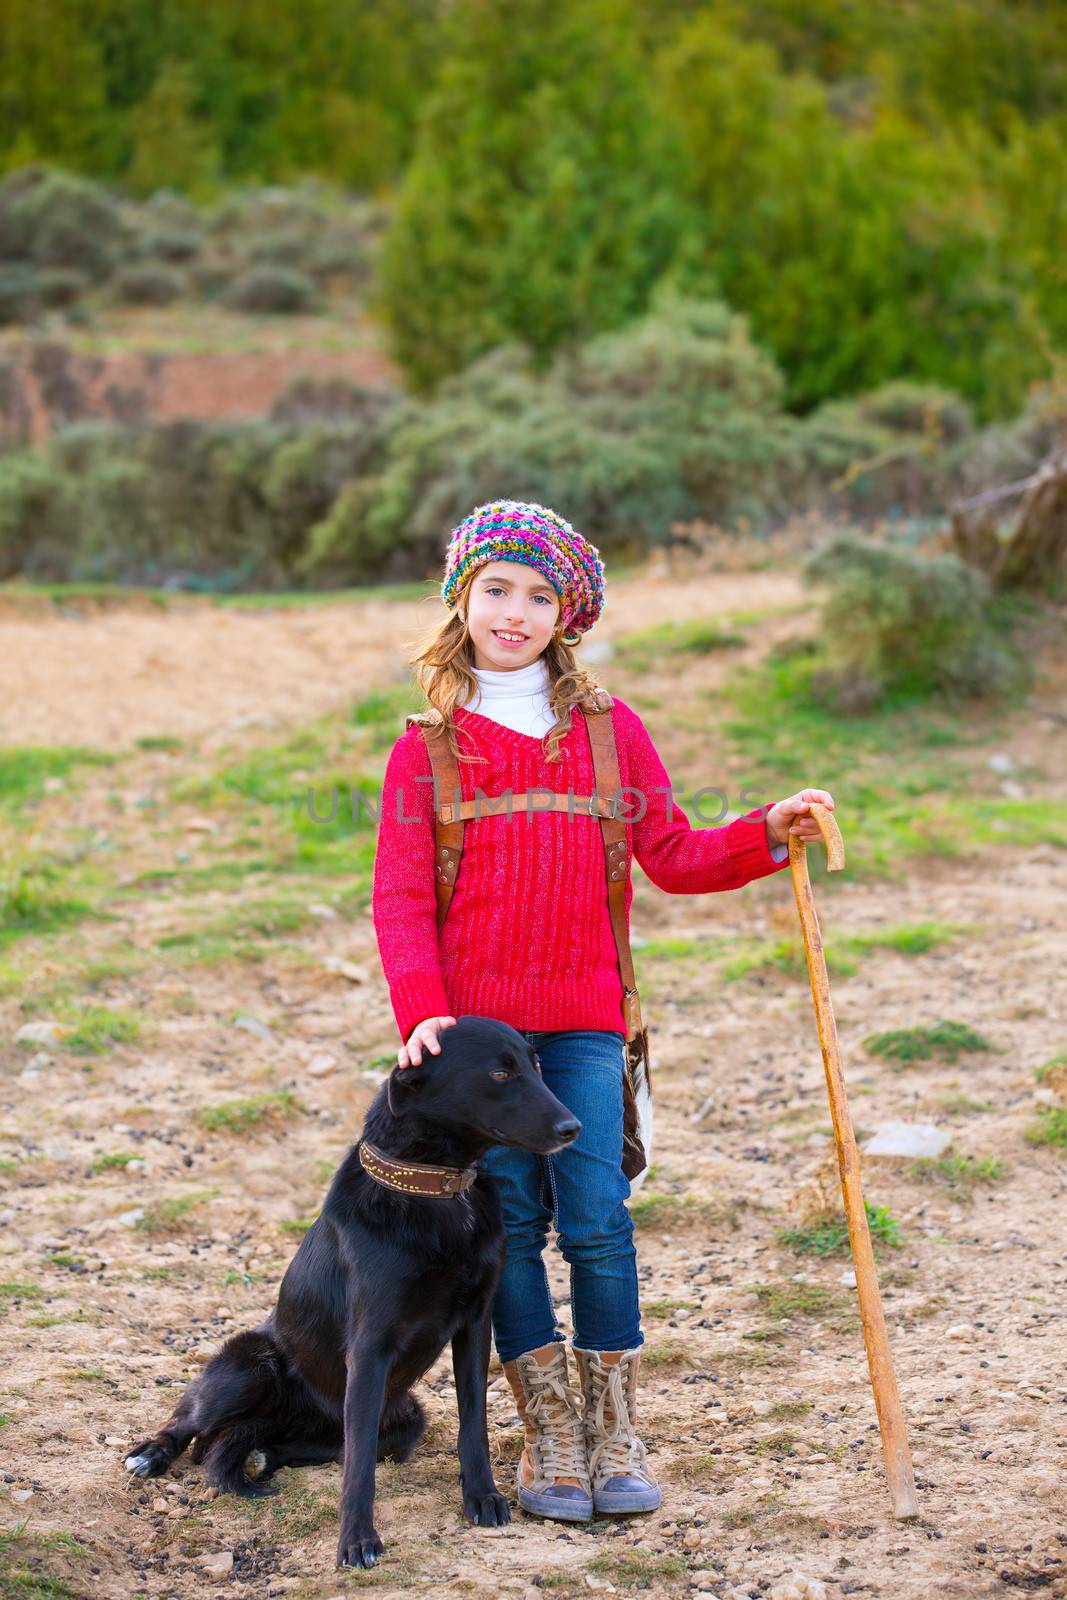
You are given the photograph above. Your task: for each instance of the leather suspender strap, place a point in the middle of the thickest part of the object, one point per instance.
(606, 770)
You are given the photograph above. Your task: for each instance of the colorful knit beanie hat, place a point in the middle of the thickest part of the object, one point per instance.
(515, 530)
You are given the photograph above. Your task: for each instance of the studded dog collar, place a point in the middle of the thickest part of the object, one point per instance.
(415, 1177)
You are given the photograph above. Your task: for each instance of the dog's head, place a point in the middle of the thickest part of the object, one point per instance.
(486, 1080)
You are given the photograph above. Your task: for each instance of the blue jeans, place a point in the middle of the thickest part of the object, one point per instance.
(581, 1189)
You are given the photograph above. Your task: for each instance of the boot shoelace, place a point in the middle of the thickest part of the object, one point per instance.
(619, 1450)
(556, 1408)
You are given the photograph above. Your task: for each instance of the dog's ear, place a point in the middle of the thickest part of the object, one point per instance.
(402, 1084)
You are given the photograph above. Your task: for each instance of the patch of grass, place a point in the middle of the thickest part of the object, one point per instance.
(645, 647)
(163, 743)
(24, 1574)
(234, 1275)
(786, 956)
(955, 1103)
(96, 1029)
(790, 1408)
(297, 1225)
(170, 1214)
(238, 1115)
(945, 1039)
(35, 898)
(112, 1158)
(26, 769)
(627, 1566)
(302, 1513)
(14, 1290)
(232, 935)
(50, 1319)
(779, 1443)
(908, 939)
(673, 1210)
(792, 1299)
(1050, 1128)
(666, 1308)
(1054, 1074)
(900, 794)
(664, 1355)
(825, 1233)
(959, 1173)
(320, 808)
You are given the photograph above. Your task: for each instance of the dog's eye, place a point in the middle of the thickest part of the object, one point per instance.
(500, 1074)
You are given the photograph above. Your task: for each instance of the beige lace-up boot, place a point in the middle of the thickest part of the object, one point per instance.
(552, 1477)
(621, 1480)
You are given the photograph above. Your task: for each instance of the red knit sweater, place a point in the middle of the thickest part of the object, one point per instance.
(528, 938)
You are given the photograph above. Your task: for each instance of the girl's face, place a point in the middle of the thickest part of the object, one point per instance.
(507, 597)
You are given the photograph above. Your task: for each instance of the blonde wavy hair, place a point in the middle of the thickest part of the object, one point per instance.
(443, 659)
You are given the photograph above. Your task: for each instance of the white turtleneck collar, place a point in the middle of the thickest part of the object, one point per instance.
(518, 698)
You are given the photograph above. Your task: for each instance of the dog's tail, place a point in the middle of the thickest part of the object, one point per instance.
(242, 1399)
(235, 1459)
(402, 1426)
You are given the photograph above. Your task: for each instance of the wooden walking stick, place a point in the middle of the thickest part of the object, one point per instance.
(898, 1466)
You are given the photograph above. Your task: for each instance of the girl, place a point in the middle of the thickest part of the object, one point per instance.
(527, 940)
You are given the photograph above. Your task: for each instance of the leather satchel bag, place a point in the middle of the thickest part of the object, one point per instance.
(452, 815)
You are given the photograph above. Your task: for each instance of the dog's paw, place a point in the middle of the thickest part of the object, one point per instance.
(354, 1551)
(486, 1510)
(147, 1460)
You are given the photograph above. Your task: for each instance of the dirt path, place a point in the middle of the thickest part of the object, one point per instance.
(119, 674)
(756, 1406)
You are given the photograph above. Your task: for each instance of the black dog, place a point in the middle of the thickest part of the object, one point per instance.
(382, 1280)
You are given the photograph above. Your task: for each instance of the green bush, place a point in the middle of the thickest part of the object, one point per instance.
(61, 286)
(55, 220)
(273, 289)
(19, 292)
(148, 283)
(38, 518)
(899, 624)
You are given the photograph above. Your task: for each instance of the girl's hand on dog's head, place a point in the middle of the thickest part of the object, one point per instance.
(423, 1036)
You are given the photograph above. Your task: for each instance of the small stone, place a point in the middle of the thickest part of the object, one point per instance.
(848, 1278)
(908, 1140)
(1001, 762)
(321, 1065)
(136, 1165)
(49, 1032)
(130, 1219)
(691, 1539)
(20, 1496)
(601, 1585)
(218, 1564)
(960, 1330)
(201, 825)
(347, 969)
(318, 909)
(160, 1503)
(252, 1025)
(42, 1059)
(114, 1439)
